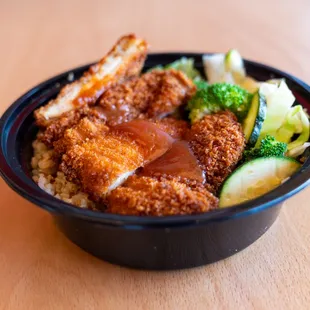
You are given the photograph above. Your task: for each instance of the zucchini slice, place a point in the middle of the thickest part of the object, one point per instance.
(255, 178)
(253, 122)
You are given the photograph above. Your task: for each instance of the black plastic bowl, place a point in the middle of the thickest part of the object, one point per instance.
(161, 243)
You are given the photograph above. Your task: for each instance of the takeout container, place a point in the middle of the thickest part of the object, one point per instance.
(161, 243)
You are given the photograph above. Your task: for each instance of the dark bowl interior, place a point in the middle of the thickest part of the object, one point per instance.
(18, 131)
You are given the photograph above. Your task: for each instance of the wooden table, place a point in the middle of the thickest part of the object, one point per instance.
(39, 267)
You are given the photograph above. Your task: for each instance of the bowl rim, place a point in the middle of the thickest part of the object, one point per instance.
(44, 200)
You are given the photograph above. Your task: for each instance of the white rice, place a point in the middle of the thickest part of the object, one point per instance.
(45, 173)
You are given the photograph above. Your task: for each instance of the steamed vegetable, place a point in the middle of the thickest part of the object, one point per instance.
(268, 147)
(296, 122)
(184, 64)
(283, 121)
(228, 68)
(279, 101)
(233, 63)
(254, 120)
(217, 97)
(255, 178)
(201, 84)
(214, 66)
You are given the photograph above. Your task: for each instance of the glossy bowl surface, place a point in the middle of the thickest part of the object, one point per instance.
(160, 243)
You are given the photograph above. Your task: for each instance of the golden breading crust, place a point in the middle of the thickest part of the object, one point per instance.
(100, 158)
(86, 129)
(125, 101)
(124, 60)
(176, 128)
(218, 142)
(175, 88)
(101, 164)
(148, 196)
(89, 127)
(57, 127)
(55, 130)
(193, 184)
(154, 95)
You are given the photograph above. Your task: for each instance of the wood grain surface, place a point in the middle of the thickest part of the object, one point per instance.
(39, 267)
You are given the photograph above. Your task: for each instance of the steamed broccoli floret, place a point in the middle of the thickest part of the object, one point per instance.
(184, 64)
(219, 96)
(269, 146)
(200, 105)
(201, 84)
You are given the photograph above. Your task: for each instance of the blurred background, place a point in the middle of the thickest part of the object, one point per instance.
(41, 38)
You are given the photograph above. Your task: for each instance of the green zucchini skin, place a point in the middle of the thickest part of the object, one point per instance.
(263, 168)
(254, 120)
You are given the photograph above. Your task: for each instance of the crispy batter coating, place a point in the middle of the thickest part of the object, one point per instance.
(176, 128)
(86, 129)
(124, 60)
(154, 95)
(90, 127)
(100, 158)
(125, 101)
(101, 164)
(148, 196)
(174, 89)
(55, 130)
(218, 142)
(57, 127)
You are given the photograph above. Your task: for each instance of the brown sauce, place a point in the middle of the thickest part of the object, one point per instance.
(112, 115)
(178, 161)
(90, 92)
(153, 141)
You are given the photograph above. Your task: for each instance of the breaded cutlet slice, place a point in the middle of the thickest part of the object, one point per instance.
(101, 164)
(149, 196)
(175, 89)
(218, 143)
(88, 128)
(85, 130)
(155, 94)
(100, 159)
(123, 61)
(57, 127)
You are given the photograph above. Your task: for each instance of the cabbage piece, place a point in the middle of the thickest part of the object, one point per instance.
(296, 122)
(291, 125)
(228, 68)
(279, 100)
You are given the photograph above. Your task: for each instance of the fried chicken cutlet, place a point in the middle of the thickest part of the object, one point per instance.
(89, 127)
(99, 165)
(85, 130)
(102, 162)
(123, 61)
(153, 95)
(56, 129)
(218, 142)
(148, 196)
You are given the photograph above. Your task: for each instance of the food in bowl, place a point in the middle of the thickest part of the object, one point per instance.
(167, 141)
